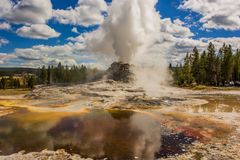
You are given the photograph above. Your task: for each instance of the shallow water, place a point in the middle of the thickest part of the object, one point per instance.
(95, 134)
(218, 103)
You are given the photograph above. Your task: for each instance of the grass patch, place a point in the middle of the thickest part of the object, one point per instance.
(200, 87)
(203, 87)
(224, 88)
(9, 92)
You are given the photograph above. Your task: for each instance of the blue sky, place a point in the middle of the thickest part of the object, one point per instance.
(191, 19)
(170, 9)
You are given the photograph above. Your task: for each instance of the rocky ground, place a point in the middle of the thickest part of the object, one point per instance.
(44, 155)
(107, 94)
(113, 95)
(214, 150)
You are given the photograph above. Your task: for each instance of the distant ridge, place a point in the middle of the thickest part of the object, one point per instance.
(9, 71)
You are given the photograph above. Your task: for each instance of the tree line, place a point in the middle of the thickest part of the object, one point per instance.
(26, 81)
(65, 74)
(211, 67)
(52, 75)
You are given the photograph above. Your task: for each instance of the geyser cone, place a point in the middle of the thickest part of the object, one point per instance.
(120, 71)
(131, 34)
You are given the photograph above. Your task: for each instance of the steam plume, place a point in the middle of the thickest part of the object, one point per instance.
(131, 34)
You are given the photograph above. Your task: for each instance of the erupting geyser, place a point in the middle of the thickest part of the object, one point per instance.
(131, 34)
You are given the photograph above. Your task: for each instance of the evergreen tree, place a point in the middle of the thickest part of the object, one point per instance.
(3, 83)
(211, 67)
(11, 82)
(177, 75)
(31, 81)
(83, 73)
(67, 75)
(16, 83)
(196, 65)
(236, 67)
(181, 79)
(186, 71)
(203, 68)
(227, 64)
(43, 75)
(50, 74)
(218, 64)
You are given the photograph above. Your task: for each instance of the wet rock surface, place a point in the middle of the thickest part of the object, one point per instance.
(227, 149)
(160, 101)
(173, 144)
(105, 95)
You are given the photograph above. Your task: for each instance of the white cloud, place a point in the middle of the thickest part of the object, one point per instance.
(178, 46)
(4, 57)
(86, 13)
(75, 30)
(68, 54)
(3, 42)
(37, 31)
(5, 26)
(234, 41)
(181, 46)
(26, 11)
(216, 14)
(186, 45)
(32, 13)
(80, 39)
(175, 28)
(5, 7)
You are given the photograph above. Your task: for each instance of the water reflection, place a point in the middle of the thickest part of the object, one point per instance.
(218, 103)
(118, 135)
(99, 134)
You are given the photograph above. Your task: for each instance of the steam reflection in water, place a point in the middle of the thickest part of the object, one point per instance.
(98, 134)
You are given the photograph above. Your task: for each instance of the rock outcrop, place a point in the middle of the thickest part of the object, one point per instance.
(120, 71)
